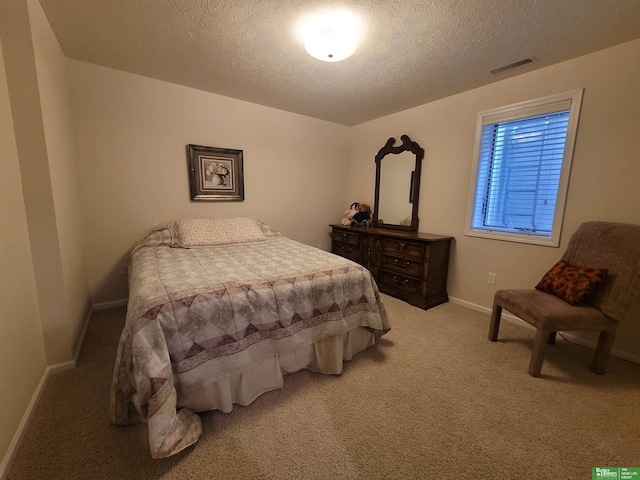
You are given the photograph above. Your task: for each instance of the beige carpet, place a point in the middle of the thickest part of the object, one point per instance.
(434, 399)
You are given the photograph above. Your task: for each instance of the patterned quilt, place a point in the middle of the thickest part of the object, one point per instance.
(202, 314)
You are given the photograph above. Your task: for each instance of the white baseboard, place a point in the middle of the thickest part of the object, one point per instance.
(49, 371)
(87, 319)
(630, 357)
(112, 304)
(570, 336)
(480, 308)
(26, 418)
(60, 368)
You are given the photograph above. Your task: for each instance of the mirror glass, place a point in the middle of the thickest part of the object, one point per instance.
(398, 185)
(396, 175)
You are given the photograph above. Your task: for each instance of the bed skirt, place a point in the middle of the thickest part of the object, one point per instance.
(182, 427)
(324, 356)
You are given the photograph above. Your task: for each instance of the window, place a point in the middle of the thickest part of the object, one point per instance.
(521, 164)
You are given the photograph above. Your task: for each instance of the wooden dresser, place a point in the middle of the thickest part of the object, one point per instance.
(409, 265)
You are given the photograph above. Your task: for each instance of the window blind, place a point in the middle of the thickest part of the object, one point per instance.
(519, 167)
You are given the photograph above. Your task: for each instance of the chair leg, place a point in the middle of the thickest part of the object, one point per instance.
(496, 313)
(537, 356)
(552, 338)
(605, 342)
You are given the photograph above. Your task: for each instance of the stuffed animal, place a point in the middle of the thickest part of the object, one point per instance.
(358, 215)
(363, 217)
(347, 216)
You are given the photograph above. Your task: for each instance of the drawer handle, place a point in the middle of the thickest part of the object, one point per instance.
(403, 265)
(345, 235)
(403, 282)
(403, 247)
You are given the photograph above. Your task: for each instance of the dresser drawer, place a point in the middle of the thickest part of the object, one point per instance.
(345, 250)
(403, 265)
(346, 237)
(411, 249)
(400, 281)
(408, 265)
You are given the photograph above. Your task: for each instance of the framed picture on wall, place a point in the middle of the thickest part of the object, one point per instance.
(215, 173)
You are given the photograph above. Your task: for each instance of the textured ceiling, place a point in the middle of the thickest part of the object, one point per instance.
(411, 53)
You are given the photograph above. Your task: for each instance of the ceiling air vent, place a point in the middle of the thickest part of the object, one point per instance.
(519, 63)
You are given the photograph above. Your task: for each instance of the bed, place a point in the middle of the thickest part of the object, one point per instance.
(219, 310)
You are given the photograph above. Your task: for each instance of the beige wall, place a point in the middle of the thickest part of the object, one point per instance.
(604, 181)
(22, 83)
(131, 134)
(22, 356)
(51, 67)
(44, 293)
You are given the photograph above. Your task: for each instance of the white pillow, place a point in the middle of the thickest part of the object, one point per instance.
(201, 232)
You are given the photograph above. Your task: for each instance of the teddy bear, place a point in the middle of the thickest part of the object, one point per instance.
(358, 215)
(363, 217)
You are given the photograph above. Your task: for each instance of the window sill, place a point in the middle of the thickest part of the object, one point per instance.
(532, 239)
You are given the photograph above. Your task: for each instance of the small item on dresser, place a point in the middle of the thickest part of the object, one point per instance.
(347, 216)
(358, 215)
(363, 217)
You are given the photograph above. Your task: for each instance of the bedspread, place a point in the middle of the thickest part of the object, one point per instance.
(201, 314)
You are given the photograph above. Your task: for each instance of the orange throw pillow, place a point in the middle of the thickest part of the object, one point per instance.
(571, 283)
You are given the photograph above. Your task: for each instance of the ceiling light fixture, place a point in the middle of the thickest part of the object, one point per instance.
(331, 37)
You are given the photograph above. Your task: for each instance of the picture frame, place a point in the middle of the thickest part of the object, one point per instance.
(215, 174)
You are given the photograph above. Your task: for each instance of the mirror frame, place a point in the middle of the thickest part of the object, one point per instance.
(414, 193)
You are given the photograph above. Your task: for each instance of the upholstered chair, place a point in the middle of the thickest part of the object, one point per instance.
(603, 264)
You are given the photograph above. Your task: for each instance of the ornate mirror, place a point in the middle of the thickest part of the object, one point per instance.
(398, 185)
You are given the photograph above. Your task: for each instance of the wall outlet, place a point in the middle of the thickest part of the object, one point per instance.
(124, 270)
(491, 279)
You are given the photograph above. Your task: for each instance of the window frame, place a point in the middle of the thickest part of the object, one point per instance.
(571, 101)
